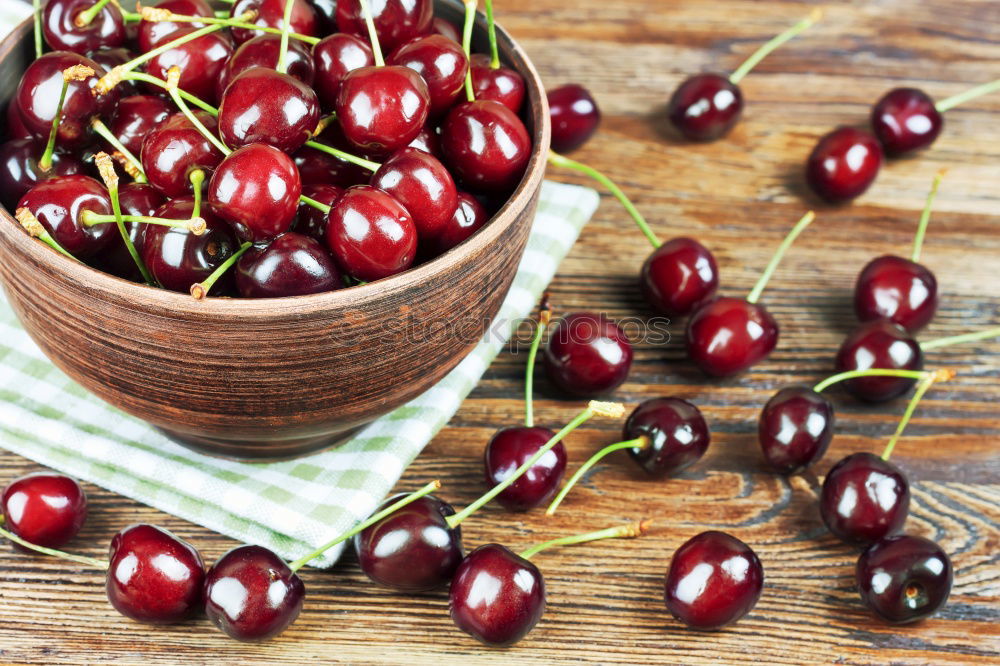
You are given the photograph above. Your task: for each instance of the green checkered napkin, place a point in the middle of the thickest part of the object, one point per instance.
(291, 507)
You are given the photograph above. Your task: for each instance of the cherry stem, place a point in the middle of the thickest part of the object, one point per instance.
(492, 28)
(80, 559)
(922, 388)
(362, 526)
(640, 221)
(870, 372)
(640, 442)
(135, 166)
(200, 289)
(799, 227)
(75, 73)
(173, 77)
(630, 531)
(925, 217)
(286, 27)
(323, 123)
(37, 20)
(958, 339)
(372, 33)
(962, 98)
(106, 168)
(30, 223)
(233, 23)
(195, 225)
(315, 204)
(86, 17)
(186, 96)
(470, 20)
(544, 316)
(347, 157)
(773, 44)
(609, 409)
(197, 178)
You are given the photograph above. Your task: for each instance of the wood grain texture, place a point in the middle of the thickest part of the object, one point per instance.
(739, 196)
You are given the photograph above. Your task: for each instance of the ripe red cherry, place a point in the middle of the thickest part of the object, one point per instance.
(507, 450)
(442, 64)
(105, 30)
(413, 549)
(469, 217)
(176, 148)
(19, 170)
(843, 164)
(588, 355)
(371, 235)
(262, 51)
(155, 33)
(135, 199)
(864, 499)
(44, 508)
(705, 107)
(904, 578)
(396, 21)
(137, 116)
(334, 57)
(265, 106)
(575, 117)
(729, 335)
(153, 576)
(795, 428)
(496, 595)
(486, 145)
(714, 579)
(503, 84)
(251, 594)
(310, 221)
(679, 277)
(677, 433)
(382, 109)
(200, 61)
(428, 142)
(879, 344)
(271, 14)
(897, 289)
(905, 120)
(59, 204)
(290, 265)
(423, 185)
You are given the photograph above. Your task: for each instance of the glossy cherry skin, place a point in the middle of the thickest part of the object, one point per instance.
(334, 57)
(705, 107)
(262, 51)
(413, 549)
(905, 120)
(176, 148)
(271, 14)
(155, 33)
(588, 355)
(795, 428)
(265, 106)
(19, 170)
(511, 447)
(201, 62)
(468, 218)
(382, 109)
(137, 116)
(106, 30)
(879, 344)
(134, 199)
(44, 508)
(290, 265)
(252, 595)
(843, 164)
(428, 141)
(677, 433)
(486, 146)
(396, 21)
(153, 576)
(310, 221)
(729, 335)
(679, 277)
(319, 168)
(503, 84)
(59, 204)
(898, 289)
(904, 578)
(444, 27)
(496, 596)
(864, 499)
(575, 117)
(442, 64)
(423, 185)
(371, 235)
(714, 579)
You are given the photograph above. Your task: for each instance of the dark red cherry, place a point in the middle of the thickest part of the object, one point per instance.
(153, 576)
(486, 146)
(413, 549)
(290, 265)
(423, 185)
(904, 578)
(111, 58)
(262, 51)
(200, 61)
(575, 117)
(396, 21)
(588, 355)
(679, 277)
(106, 30)
(729, 335)
(156, 33)
(137, 116)
(864, 499)
(507, 450)
(19, 170)
(334, 57)
(16, 128)
(319, 168)
(905, 120)
(271, 14)
(252, 595)
(705, 107)
(677, 433)
(503, 84)
(176, 148)
(382, 109)
(795, 428)
(714, 579)
(496, 596)
(468, 218)
(879, 344)
(897, 289)
(265, 106)
(444, 27)
(310, 221)
(59, 204)
(135, 199)
(44, 508)
(428, 141)
(442, 64)
(843, 164)
(371, 235)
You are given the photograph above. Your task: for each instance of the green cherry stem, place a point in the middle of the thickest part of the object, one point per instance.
(86, 17)
(36, 19)
(492, 29)
(286, 27)
(630, 531)
(959, 339)
(922, 388)
(609, 409)
(230, 23)
(972, 93)
(544, 316)
(197, 178)
(79, 559)
(870, 372)
(773, 44)
(347, 157)
(70, 74)
(470, 20)
(566, 163)
(925, 217)
(142, 77)
(30, 223)
(134, 167)
(106, 168)
(362, 526)
(799, 227)
(196, 225)
(173, 78)
(366, 8)
(315, 204)
(640, 442)
(200, 289)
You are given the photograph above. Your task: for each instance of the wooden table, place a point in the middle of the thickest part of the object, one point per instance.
(739, 196)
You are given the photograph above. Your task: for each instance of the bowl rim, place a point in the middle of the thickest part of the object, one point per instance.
(152, 298)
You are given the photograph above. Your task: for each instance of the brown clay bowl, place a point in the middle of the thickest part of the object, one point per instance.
(270, 378)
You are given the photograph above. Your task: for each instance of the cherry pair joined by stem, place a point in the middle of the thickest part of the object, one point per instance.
(44, 508)
(72, 25)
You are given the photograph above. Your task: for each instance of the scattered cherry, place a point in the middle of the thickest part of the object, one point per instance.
(676, 433)
(904, 578)
(795, 428)
(879, 344)
(864, 499)
(905, 119)
(679, 277)
(705, 107)
(843, 164)
(511, 447)
(575, 117)
(44, 508)
(587, 355)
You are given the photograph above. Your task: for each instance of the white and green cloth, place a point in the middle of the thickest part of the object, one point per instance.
(291, 507)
